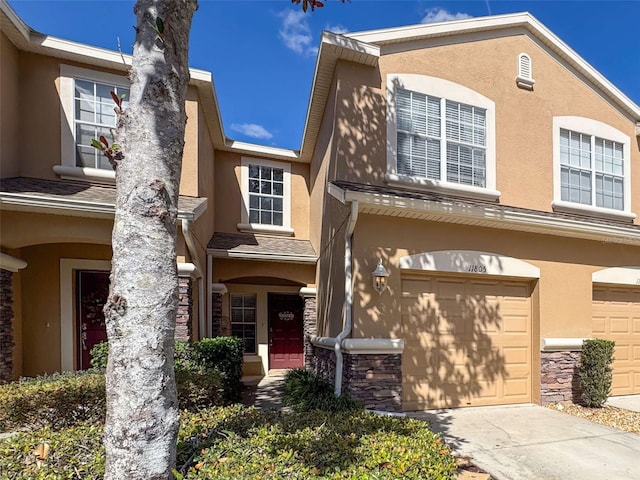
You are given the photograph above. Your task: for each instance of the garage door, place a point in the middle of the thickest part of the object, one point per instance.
(467, 342)
(616, 316)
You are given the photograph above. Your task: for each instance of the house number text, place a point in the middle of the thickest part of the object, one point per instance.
(477, 269)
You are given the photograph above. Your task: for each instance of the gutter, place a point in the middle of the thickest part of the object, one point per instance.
(348, 297)
(189, 240)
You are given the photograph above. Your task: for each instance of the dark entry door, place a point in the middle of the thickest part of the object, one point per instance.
(285, 331)
(92, 289)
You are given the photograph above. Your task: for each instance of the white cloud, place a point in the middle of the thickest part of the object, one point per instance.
(437, 14)
(339, 29)
(251, 130)
(295, 32)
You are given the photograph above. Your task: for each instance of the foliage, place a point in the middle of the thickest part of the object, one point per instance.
(304, 390)
(99, 354)
(223, 354)
(246, 443)
(58, 401)
(63, 400)
(595, 371)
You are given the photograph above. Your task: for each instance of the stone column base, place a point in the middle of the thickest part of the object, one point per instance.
(559, 380)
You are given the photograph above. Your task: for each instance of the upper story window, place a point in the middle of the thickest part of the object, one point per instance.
(266, 197)
(87, 113)
(94, 116)
(440, 136)
(592, 171)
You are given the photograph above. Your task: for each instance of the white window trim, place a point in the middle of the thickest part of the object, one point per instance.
(245, 226)
(441, 88)
(598, 129)
(68, 168)
(525, 81)
(67, 306)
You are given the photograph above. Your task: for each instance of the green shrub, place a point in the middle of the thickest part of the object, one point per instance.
(219, 354)
(304, 390)
(63, 400)
(99, 354)
(223, 354)
(246, 443)
(59, 401)
(595, 371)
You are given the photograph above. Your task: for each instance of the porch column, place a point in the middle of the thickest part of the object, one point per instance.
(8, 266)
(220, 323)
(184, 316)
(310, 326)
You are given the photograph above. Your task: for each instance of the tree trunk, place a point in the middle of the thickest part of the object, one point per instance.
(142, 415)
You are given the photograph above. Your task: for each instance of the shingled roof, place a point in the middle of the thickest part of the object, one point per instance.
(77, 197)
(261, 247)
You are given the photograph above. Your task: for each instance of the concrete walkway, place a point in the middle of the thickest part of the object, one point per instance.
(263, 392)
(629, 402)
(528, 442)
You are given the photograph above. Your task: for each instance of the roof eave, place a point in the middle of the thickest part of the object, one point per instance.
(491, 217)
(262, 257)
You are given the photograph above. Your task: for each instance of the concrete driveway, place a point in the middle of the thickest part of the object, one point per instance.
(630, 402)
(527, 442)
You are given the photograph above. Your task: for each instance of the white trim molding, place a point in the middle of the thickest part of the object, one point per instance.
(362, 346)
(11, 264)
(469, 261)
(67, 305)
(617, 276)
(561, 344)
(308, 292)
(219, 288)
(187, 269)
(593, 128)
(445, 90)
(245, 225)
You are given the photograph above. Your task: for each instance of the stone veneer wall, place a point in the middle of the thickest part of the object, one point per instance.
(6, 328)
(184, 316)
(559, 377)
(373, 379)
(310, 326)
(220, 324)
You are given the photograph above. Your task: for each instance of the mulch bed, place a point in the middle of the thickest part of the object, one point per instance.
(619, 418)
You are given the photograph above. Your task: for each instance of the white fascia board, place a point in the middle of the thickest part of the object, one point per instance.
(336, 192)
(22, 27)
(265, 257)
(261, 150)
(103, 210)
(496, 217)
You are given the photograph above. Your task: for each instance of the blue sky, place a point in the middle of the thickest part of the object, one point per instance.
(262, 53)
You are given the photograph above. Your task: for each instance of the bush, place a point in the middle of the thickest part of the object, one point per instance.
(220, 354)
(304, 390)
(246, 443)
(223, 354)
(63, 400)
(595, 371)
(59, 401)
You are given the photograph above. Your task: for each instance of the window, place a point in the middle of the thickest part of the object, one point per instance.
(94, 116)
(266, 200)
(592, 167)
(243, 320)
(266, 195)
(87, 113)
(441, 136)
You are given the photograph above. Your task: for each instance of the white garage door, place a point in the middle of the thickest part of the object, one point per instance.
(616, 316)
(467, 342)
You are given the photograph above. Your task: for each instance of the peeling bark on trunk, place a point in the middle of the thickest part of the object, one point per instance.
(142, 415)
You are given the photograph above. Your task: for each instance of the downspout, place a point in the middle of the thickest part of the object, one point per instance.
(189, 240)
(348, 296)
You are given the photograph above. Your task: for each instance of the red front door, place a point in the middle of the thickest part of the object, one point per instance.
(285, 331)
(92, 289)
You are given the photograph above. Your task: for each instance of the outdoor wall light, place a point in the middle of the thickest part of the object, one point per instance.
(380, 276)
